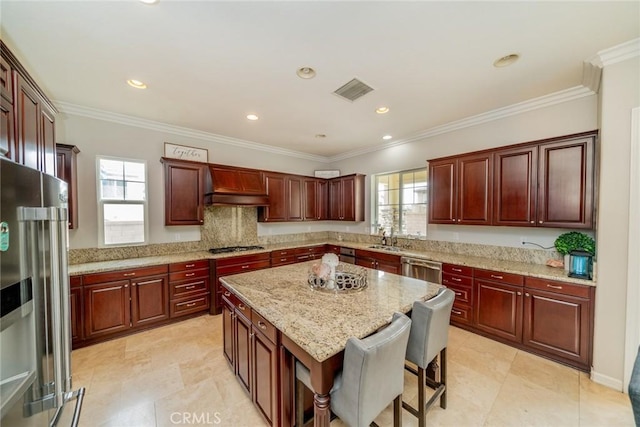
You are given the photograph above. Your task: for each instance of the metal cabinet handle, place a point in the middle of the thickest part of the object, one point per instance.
(458, 293)
(191, 304)
(283, 259)
(540, 222)
(189, 265)
(227, 294)
(533, 222)
(456, 279)
(241, 307)
(553, 286)
(244, 267)
(190, 287)
(126, 286)
(261, 325)
(189, 274)
(519, 293)
(128, 274)
(497, 277)
(527, 294)
(459, 313)
(458, 270)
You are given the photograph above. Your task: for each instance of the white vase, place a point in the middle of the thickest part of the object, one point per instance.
(566, 262)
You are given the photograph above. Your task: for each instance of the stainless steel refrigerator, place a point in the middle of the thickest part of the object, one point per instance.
(35, 337)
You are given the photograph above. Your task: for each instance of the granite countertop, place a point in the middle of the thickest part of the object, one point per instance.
(534, 270)
(320, 323)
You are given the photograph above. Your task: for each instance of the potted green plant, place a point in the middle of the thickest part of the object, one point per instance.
(572, 241)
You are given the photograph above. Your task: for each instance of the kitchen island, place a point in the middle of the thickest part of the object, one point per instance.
(308, 325)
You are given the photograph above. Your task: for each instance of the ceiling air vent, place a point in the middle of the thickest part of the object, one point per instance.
(353, 90)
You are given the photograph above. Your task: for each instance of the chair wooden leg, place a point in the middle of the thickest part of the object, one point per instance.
(299, 403)
(397, 411)
(443, 377)
(422, 415)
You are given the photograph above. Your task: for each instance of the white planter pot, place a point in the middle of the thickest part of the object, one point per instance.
(566, 262)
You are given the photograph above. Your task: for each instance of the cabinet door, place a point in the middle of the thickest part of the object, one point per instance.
(6, 80)
(243, 351)
(265, 376)
(322, 203)
(558, 324)
(276, 187)
(515, 186)
(228, 333)
(149, 300)
(335, 199)
(184, 193)
(107, 308)
(389, 267)
(499, 309)
(442, 191)
(565, 192)
(475, 189)
(47, 143)
(348, 199)
(294, 198)
(66, 170)
(311, 200)
(75, 309)
(7, 136)
(27, 114)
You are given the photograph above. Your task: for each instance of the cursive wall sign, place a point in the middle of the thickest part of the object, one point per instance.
(184, 152)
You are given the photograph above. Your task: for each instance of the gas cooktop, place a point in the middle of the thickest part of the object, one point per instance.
(234, 249)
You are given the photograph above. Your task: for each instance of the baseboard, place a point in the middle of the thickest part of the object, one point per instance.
(607, 381)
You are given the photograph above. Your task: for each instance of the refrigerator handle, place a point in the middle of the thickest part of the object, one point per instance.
(56, 306)
(63, 230)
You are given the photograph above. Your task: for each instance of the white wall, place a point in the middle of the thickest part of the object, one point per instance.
(620, 93)
(566, 118)
(98, 137)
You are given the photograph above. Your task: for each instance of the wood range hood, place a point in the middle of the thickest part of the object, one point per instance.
(232, 186)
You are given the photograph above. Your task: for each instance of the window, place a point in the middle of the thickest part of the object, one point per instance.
(401, 203)
(122, 201)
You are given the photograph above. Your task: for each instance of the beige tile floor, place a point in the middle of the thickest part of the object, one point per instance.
(176, 376)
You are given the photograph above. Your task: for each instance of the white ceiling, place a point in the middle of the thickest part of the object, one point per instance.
(208, 64)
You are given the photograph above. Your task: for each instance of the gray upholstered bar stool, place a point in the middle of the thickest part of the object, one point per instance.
(428, 338)
(372, 376)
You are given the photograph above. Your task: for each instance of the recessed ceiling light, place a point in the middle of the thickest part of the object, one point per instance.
(387, 137)
(136, 83)
(506, 60)
(306, 73)
(252, 117)
(382, 110)
(149, 1)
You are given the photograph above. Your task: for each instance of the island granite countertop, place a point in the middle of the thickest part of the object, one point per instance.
(523, 268)
(319, 322)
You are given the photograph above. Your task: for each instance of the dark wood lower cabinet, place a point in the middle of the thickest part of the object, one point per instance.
(107, 308)
(251, 348)
(75, 309)
(499, 309)
(149, 300)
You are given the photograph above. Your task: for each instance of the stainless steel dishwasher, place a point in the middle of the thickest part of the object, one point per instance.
(348, 255)
(422, 269)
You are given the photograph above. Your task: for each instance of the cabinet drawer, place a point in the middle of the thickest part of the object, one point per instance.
(190, 265)
(241, 268)
(461, 314)
(463, 294)
(451, 279)
(188, 287)
(283, 260)
(242, 308)
(499, 276)
(188, 275)
(283, 252)
(244, 259)
(189, 305)
(389, 258)
(310, 250)
(457, 269)
(558, 287)
(89, 279)
(264, 326)
(227, 295)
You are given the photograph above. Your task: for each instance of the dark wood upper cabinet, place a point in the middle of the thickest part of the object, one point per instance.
(67, 170)
(311, 199)
(28, 117)
(346, 198)
(442, 191)
(322, 199)
(565, 189)
(234, 180)
(461, 190)
(295, 198)
(515, 185)
(184, 184)
(548, 183)
(276, 186)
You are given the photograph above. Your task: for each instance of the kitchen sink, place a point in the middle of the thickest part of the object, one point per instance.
(386, 248)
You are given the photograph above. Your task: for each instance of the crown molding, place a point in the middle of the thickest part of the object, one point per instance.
(500, 113)
(108, 116)
(618, 53)
(591, 75)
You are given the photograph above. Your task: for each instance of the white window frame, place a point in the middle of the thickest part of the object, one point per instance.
(374, 201)
(101, 203)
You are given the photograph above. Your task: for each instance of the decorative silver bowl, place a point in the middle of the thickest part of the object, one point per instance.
(348, 278)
